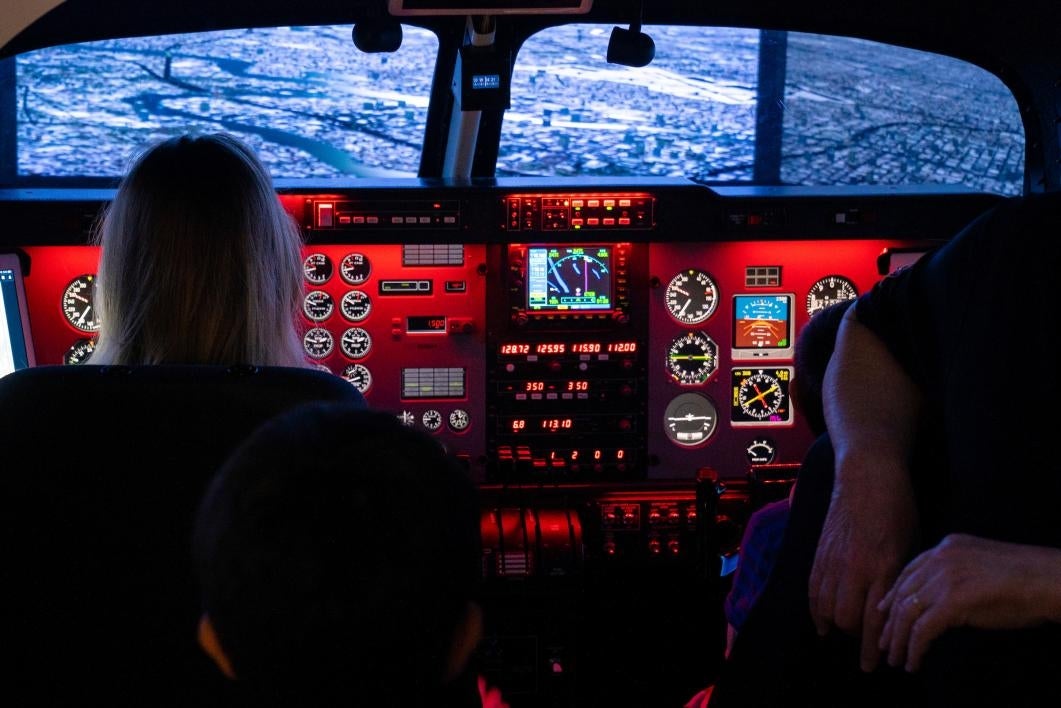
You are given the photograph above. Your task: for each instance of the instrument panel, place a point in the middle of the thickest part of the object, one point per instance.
(614, 363)
(570, 337)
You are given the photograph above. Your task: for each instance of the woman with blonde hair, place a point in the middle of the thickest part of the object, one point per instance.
(200, 264)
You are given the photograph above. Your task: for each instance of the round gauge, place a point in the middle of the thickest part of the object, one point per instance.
(760, 451)
(431, 419)
(317, 268)
(829, 290)
(407, 418)
(355, 268)
(692, 358)
(318, 305)
(318, 342)
(459, 420)
(80, 352)
(356, 343)
(322, 367)
(355, 305)
(691, 296)
(760, 394)
(690, 419)
(79, 303)
(359, 376)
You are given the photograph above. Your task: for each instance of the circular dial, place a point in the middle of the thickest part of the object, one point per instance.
(691, 296)
(761, 451)
(318, 305)
(317, 268)
(760, 395)
(359, 376)
(431, 419)
(692, 358)
(829, 290)
(355, 268)
(80, 352)
(459, 420)
(690, 419)
(79, 303)
(318, 342)
(356, 343)
(355, 305)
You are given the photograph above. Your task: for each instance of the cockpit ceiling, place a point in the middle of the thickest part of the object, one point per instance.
(1002, 33)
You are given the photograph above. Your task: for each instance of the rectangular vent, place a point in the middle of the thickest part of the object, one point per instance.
(762, 276)
(433, 254)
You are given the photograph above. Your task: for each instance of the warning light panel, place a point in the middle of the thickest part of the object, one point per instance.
(578, 212)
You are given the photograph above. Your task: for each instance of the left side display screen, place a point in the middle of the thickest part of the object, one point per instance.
(16, 344)
(564, 278)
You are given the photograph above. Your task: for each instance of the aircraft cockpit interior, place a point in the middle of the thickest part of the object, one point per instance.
(575, 241)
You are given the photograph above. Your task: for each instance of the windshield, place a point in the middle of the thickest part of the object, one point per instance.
(716, 105)
(305, 98)
(737, 105)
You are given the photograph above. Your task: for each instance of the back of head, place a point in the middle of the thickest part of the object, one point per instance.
(338, 551)
(200, 264)
(814, 348)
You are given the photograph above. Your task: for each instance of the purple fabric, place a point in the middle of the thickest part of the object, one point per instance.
(758, 551)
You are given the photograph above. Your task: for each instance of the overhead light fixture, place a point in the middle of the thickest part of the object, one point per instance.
(631, 47)
(378, 36)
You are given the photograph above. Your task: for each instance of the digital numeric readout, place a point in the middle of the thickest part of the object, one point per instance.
(557, 348)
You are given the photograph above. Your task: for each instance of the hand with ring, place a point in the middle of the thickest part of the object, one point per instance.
(968, 581)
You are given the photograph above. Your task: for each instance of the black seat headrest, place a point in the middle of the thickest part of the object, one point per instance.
(101, 471)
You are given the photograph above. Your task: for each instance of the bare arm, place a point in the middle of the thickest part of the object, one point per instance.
(871, 408)
(871, 404)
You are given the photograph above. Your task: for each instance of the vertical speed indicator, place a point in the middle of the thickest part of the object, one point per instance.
(829, 290)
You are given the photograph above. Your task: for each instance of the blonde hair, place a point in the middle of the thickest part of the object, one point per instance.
(200, 264)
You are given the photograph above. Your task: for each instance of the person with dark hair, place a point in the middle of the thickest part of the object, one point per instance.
(814, 348)
(766, 526)
(922, 564)
(765, 529)
(338, 553)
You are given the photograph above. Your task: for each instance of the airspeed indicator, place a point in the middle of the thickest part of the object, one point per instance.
(691, 296)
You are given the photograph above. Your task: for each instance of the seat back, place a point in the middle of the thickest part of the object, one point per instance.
(101, 471)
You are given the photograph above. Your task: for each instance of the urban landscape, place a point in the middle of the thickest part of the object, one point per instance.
(853, 112)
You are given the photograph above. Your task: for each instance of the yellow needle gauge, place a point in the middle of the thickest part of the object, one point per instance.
(760, 397)
(692, 358)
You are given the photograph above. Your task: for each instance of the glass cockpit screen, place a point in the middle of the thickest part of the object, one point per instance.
(563, 278)
(762, 326)
(16, 344)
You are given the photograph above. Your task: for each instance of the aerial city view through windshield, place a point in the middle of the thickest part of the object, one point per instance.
(851, 111)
